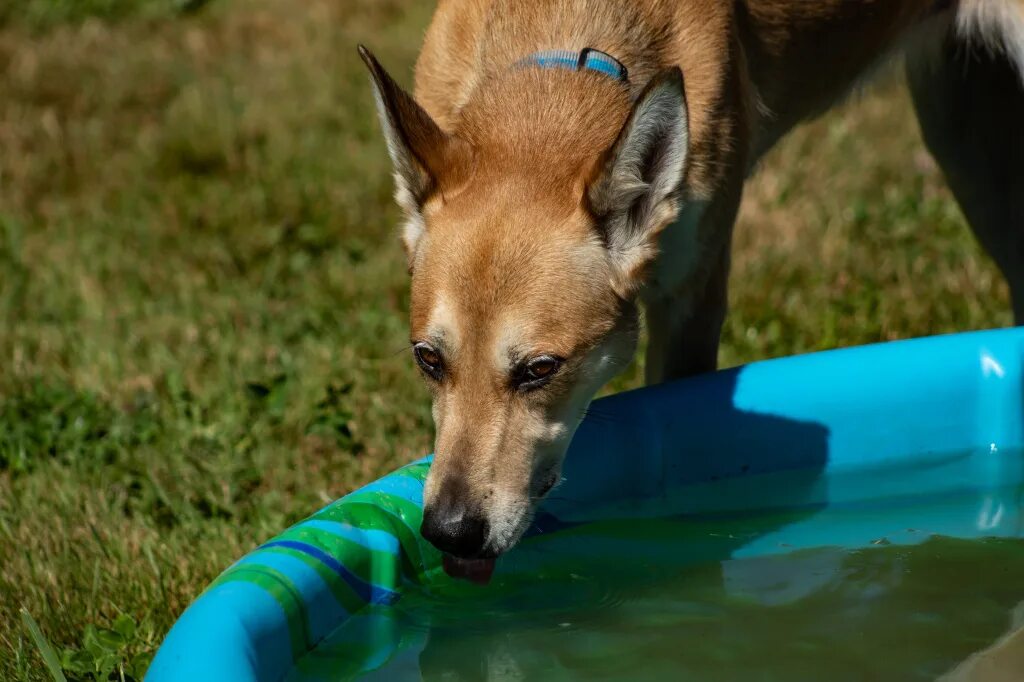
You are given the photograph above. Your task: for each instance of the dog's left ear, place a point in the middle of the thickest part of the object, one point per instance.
(426, 159)
(635, 194)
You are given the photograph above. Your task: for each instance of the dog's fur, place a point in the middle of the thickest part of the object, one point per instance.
(544, 205)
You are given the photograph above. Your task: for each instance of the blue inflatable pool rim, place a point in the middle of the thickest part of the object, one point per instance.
(931, 416)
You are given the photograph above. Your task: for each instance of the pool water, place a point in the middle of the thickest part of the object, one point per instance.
(885, 613)
(725, 597)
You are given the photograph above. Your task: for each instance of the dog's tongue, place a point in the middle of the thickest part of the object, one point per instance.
(477, 571)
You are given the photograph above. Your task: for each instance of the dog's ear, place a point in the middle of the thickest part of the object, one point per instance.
(426, 159)
(636, 191)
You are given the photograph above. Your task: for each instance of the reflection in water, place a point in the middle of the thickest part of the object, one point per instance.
(885, 613)
(724, 598)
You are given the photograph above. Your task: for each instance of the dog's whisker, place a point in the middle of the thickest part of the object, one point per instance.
(599, 417)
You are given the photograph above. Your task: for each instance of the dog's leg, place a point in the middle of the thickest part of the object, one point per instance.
(684, 328)
(970, 104)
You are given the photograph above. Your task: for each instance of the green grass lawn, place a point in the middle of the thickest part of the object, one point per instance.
(203, 301)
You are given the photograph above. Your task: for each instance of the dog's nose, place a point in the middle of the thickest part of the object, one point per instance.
(453, 530)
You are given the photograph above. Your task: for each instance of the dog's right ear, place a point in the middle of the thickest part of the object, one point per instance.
(427, 160)
(635, 195)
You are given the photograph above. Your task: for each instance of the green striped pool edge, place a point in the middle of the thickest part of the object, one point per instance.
(344, 565)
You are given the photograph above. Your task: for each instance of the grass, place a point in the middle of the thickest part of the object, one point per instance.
(203, 303)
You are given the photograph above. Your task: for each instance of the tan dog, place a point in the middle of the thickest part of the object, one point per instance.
(550, 189)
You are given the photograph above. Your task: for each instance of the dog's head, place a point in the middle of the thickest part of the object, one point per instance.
(527, 237)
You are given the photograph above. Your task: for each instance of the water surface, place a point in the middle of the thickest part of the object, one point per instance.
(726, 597)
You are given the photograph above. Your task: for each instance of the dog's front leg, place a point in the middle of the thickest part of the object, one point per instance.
(688, 296)
(684, 329)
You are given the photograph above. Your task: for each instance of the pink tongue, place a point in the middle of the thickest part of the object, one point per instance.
(474, 570)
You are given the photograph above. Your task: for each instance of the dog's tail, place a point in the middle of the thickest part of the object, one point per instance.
(996, 25)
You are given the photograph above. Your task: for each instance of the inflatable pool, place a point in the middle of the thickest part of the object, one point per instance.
(801, 452)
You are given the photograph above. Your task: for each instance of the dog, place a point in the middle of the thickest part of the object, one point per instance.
(563, 162)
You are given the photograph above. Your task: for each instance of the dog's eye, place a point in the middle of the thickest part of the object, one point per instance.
(429, 360)
(538, 371)
(541, 368)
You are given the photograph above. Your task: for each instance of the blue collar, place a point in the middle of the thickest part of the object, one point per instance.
(587, 58)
